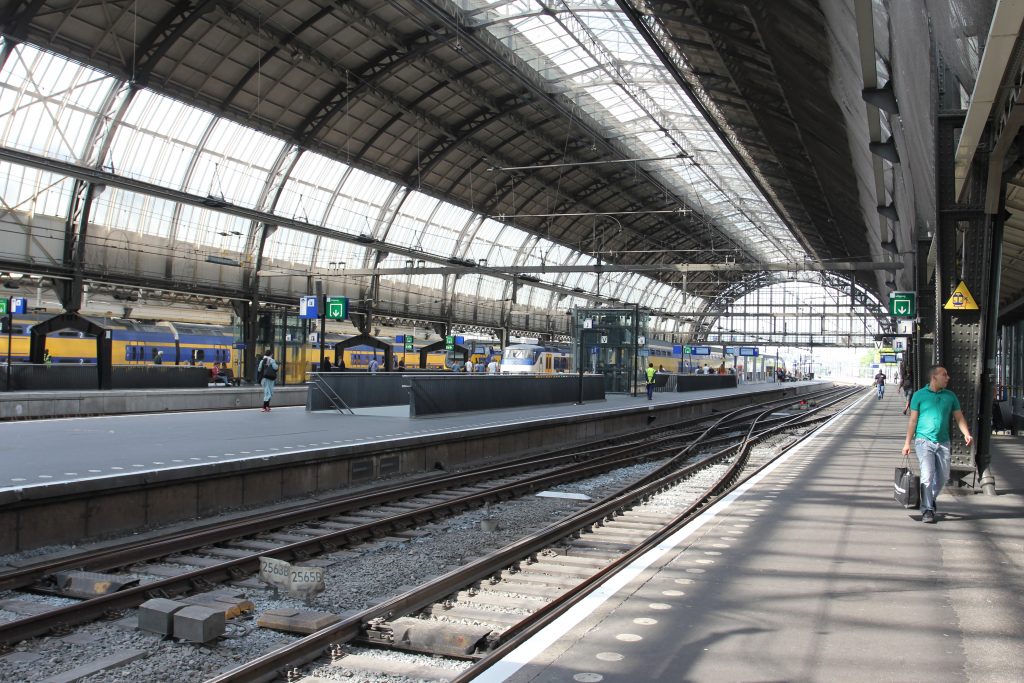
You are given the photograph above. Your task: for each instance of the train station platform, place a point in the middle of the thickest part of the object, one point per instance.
(811, 572)
(73, 449)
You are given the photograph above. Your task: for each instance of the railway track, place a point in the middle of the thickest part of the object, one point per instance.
(231, 551)
(401, 510)
(484, 609)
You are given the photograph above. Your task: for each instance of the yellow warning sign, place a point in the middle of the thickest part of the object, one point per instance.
(961, 299)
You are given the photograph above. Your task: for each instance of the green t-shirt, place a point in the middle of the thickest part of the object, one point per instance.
(934, 410)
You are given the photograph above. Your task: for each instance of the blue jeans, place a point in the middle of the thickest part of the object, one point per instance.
(650, 391)
(933, 458)
(881, 390)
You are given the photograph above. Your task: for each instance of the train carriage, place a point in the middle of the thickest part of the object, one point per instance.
(535, 359)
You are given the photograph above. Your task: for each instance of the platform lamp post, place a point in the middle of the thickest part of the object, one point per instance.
(321, 302)
(8, 307)
(9, 311)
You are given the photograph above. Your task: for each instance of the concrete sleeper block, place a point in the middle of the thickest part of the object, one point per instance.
(157, 615)
(198, 624)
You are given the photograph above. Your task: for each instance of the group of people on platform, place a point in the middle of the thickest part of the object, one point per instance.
(720, 370)
(469, 367)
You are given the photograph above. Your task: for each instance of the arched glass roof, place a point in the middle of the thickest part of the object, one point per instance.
(591, 51)
(63, 110)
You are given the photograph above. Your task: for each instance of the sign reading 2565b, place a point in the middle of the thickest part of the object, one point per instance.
(295, 579)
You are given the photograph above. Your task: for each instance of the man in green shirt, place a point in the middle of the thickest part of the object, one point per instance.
(930, 410)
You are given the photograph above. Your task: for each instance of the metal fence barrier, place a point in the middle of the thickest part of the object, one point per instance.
(29, 377)
(360, 389)
(435, 393)
(455, 394)
(698, 382)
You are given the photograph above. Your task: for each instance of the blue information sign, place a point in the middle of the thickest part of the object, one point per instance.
(677, 350)
(308, 307)
(19, 305)
(748, 350)
(460, 340)
(700, 350)
(889, 358)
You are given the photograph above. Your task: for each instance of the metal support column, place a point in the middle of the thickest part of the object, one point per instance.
(961, 250)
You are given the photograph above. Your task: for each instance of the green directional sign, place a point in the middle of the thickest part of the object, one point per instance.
(686, 349)
(337, 307)
(3, 306)
(903, 304)
(408, 342)
(449, 343)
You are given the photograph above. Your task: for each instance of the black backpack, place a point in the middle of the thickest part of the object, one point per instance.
(267, 370)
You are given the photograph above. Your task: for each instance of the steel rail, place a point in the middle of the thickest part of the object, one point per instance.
(267, 666)
(515, 635)
(204, 577)
(143, 550)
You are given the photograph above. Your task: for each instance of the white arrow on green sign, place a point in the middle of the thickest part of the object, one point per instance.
(903, 304)
(337, 307)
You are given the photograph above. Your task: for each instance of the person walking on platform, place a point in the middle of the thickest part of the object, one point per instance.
(928, 427)
(650, 381)
(880, 384)
(907, 385)
(266, 372)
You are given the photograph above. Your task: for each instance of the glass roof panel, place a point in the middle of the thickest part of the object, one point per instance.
(590, 49)
(203, 227)
(133, 212)
(35, 192)
(48, 105)
(498, 244)
(409, 226)
(157, 139)
(334, 256)
(235, 164)
(357, 208)
(310, 188)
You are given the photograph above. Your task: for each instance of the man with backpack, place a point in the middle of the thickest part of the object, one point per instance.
(266, 373)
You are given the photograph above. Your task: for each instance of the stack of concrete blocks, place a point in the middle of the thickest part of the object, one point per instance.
(194, 623)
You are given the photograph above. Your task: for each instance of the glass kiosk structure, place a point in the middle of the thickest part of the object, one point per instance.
(610, 342)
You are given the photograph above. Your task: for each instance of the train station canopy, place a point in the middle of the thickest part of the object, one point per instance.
(502, 139)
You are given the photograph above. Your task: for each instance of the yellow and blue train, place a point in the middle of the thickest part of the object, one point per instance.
(137, 343)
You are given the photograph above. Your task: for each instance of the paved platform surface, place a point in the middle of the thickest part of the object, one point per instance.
(42, 452)
(814, 574)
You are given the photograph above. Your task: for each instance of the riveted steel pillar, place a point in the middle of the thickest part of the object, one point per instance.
(962, 248)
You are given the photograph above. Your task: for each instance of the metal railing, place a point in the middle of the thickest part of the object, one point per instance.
(329, 393)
